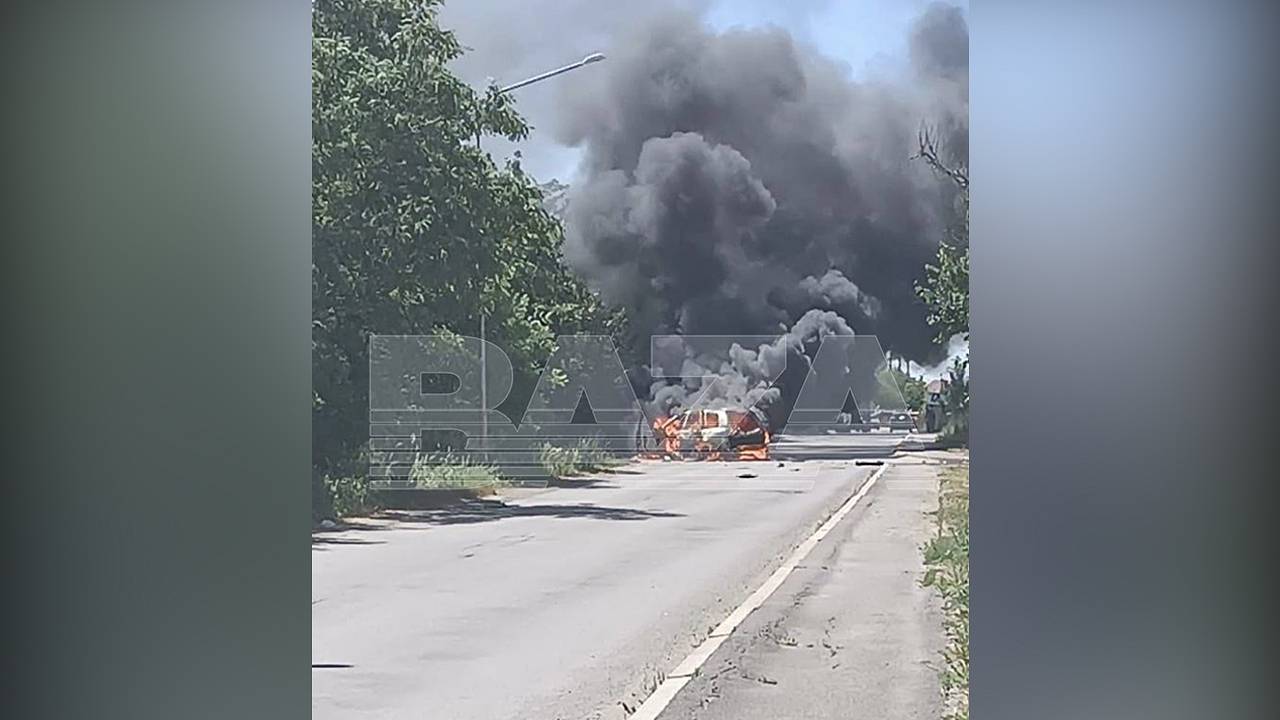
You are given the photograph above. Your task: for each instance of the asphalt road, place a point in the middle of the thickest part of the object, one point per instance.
(852, 634)
(563, 603)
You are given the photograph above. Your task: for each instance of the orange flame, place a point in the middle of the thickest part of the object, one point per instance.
(665, 430)
(756, 453)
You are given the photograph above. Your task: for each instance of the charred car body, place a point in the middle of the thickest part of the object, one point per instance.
(713, 434)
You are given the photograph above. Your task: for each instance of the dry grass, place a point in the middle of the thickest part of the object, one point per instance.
(947, 562)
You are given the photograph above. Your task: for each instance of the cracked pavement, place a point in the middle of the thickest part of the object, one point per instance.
(851, 634)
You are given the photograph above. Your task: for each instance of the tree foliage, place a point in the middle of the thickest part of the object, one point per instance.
(912, 390)
(956, 430)
(946, 287)
(415, 229)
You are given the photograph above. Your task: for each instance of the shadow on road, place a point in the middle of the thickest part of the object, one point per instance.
(488, 510)
(581, 482)
(319, 541)
(597, 479)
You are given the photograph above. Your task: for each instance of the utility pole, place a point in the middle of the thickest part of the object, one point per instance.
(484, 365)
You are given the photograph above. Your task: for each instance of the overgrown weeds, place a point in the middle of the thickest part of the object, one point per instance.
(449, 471)
(344, 497)
(955, 434)
(947, 570)
(584, 456)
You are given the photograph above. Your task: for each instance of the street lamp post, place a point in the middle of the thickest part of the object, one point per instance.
(592, 58)
(484, 367)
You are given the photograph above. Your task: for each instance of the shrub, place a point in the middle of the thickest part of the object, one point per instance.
(955, 433)
(344, 497)
(585, 456)
(434, 470)
(559, 461)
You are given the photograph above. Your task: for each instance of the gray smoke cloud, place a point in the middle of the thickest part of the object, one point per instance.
(834, 290)
(734, 181)
(668, 239)
(763, 375)
(939, 48)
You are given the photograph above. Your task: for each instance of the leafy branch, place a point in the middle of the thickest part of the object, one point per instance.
(945, 290)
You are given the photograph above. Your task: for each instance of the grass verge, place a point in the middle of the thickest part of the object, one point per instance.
(453, 472)
(946, 559)
(585, 456)
(338, 497)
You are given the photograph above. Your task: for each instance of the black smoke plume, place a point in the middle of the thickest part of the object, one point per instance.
(741, 183)
(734, 181)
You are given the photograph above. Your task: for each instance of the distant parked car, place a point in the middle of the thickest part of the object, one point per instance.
(893, 420)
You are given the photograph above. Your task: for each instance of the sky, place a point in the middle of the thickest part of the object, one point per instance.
(514, 39)
(863, 33)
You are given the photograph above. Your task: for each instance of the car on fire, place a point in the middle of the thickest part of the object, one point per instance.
(715, 433)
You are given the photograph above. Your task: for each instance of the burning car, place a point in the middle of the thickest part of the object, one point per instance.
(724, 433)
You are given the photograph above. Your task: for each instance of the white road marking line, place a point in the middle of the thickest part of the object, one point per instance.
(684, 672)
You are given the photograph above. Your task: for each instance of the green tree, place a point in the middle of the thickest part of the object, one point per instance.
(946, 287)
(895, 384)
(912, 388)
(415, 229)
(956, 430)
